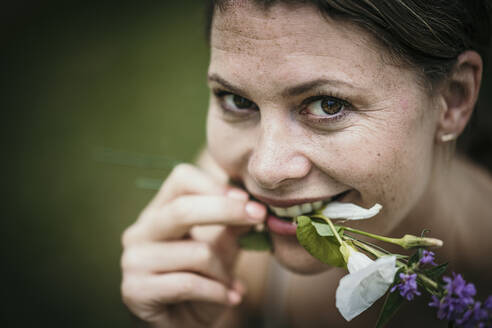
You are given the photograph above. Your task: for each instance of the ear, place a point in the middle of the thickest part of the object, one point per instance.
(459, 94)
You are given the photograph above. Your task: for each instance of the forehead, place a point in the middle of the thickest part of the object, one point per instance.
(288, 41)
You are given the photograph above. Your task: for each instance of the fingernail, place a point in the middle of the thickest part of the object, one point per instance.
(237, 194)
(255, 211)
(234, 297)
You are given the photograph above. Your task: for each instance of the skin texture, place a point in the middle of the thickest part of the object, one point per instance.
(181, 262)
(382, 150)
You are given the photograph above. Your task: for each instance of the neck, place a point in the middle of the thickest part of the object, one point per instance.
(435, 208)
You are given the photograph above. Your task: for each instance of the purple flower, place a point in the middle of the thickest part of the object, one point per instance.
(407, 286)
(488, 304)
(449, 308)
(474, 317)
(458, 298)
(442, 311)
(428, 258)
(460, 288)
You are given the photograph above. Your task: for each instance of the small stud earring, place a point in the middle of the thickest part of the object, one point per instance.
(448, 137)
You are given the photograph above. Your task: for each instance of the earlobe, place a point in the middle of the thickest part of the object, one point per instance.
(459, 94)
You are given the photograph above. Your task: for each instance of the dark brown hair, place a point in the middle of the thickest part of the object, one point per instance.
(425, 34)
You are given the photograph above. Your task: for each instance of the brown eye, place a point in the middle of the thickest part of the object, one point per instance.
(242, 103)
(327, 106)
(236, 103)
(331, 106)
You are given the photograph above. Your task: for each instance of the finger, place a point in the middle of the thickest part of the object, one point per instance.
(213, 233)
(188, 179)
(223, 238)
(167, 257)
(175, 220)
(227, 244)
(172, 288)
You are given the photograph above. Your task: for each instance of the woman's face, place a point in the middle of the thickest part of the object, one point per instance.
(304, 108)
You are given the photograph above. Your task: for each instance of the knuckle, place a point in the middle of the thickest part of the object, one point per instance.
(181, 171)
(138, 231)
(130, 259)
(133, 234)
(127, 236)
(130, 290)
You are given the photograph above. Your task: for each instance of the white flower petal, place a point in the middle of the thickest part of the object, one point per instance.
(349, 211)
(358, 261)
(357, 291)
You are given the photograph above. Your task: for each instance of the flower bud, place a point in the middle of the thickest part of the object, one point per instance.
(410, 241)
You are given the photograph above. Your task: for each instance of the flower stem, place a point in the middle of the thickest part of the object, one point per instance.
(428, 281)
(376, 252)
(407, 241)
(368, 248)
(377, 247)
(377, 237)
(335, 233)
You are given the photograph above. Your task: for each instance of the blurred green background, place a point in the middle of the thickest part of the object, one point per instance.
(79, 78)
(98, 99)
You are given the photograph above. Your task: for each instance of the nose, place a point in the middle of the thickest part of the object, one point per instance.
(276, 157)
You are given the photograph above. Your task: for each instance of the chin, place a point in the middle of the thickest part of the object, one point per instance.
(291, 255)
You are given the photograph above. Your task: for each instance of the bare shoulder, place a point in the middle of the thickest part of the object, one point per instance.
(475, 189)
(473, 238)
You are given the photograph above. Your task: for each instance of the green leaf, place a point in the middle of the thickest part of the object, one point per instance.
(391, 305)
(436, 272)
(255, 241)
(415, 257)
(325, 249)
(323, 228)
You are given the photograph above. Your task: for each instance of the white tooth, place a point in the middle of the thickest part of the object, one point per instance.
(306, 208)
(294, 211)
(280, 211)
(274, 209)
(317, 205)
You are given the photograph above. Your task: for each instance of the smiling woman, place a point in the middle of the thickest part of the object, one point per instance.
(315, 103)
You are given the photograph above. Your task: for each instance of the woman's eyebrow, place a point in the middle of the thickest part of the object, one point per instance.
(314, 84)
(227, 85)
(289, 91)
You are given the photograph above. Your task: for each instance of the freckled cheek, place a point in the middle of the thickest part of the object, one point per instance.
(379, 171)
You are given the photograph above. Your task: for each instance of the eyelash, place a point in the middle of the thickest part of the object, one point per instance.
(347, 106)
(220, 94)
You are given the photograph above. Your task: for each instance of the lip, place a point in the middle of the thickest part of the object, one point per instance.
(297, 201)
(281, 227)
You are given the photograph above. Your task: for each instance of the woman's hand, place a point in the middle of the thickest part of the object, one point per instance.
(174, 273)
